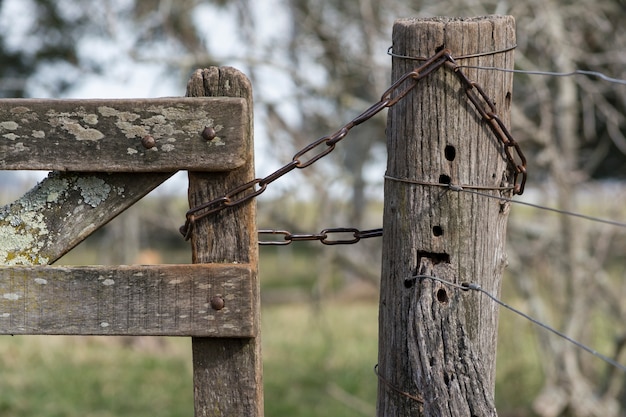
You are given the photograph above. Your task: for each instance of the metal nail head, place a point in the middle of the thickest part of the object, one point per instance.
(209, 133)
(217, 303)
(148, 142)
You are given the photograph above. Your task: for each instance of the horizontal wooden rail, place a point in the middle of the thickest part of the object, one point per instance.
(108, 135)
(213, 300)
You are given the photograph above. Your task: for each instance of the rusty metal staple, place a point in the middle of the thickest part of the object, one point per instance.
(326, 144)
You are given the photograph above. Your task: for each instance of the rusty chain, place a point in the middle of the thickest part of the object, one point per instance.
(343, 236)
(326, 144)
(487, 110)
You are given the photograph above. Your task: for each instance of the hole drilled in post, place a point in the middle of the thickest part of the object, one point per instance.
(437, 230)
(442, 295)
(449, 152)
(444, 179)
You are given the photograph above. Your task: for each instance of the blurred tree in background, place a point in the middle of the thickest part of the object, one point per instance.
(317, 64)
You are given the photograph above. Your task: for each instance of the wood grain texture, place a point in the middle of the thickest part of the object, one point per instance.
(227, 372)
(164, 300)
(63, 210)
(106, 135)
(436, 341)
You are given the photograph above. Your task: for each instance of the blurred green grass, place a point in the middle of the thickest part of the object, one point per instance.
(319, 361)
(316, 362)
(56, 376)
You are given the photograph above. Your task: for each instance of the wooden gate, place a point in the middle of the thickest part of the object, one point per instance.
(106, 155)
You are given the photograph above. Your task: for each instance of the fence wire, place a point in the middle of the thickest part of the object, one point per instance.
(475, 287)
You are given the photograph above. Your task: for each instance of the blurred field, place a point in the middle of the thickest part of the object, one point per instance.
(55, 376)
(317, 363)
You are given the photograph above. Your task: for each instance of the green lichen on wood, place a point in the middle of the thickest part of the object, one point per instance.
(23, 227)
(25, 230)
(93, 190)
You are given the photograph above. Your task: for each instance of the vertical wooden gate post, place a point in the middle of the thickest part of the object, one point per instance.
(227, 371)
(437, 343)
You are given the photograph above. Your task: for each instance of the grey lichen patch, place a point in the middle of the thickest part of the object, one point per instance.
(119, 190)
(20, 110)
(107, 111)
(32, 226)
(21, 245)
(217, 141)
(9, 125)
(130, 130)
(11, 296)
(125, 121)
(155, 120)
(48, 191)
(38, 134)
(70, 122)
(93, 190)
(79, 132)
(19, 147)
(23, 228)
(91, 119)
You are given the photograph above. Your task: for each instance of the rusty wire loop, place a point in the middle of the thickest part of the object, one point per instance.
(326, 144)
(350, 236)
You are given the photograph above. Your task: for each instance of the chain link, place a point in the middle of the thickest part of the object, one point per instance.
(487, 109)
(326, 144)
(350, 236)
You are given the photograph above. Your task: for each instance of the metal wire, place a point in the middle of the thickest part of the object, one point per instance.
(551, 73)
(554, 210)
(467, 56)
(478, 288)
(588, 73)
(471, 189)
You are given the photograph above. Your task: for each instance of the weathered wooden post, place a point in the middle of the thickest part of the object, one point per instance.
(227, 371)
(437, 343)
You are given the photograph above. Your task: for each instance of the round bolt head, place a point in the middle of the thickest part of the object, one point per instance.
(217, 303)
(148, 142)
(209, 133)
